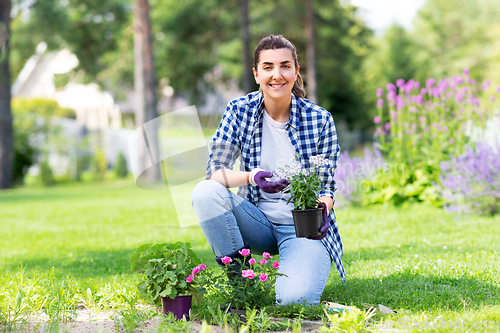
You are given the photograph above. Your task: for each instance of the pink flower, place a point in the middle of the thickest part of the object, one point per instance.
(492, 98)
(498, 88)
(189, 279)
(429, 82)
(391, 87)
(423, 91)
(420, 99)
(202, 267)
(226, 260)
(266, 255)
(196, 270)
(380, 92)
(174, 266)
(252, 261)
(400, 82)
(466, 71)
(416, 85)
(387, 126)
(248, 273)
(451, 141)
(380, 103)
(376, 120)
(276, 264)
(262, 262)
(244, 252)
(394, 115)
(263, 277)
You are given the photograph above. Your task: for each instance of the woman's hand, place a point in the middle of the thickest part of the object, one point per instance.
(258, 177)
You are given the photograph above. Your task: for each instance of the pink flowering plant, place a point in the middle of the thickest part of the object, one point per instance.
(305, 182)
(420, 125)
(247, 283)
(169, 269)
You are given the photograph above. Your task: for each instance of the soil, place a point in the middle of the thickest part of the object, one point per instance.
(86, 322)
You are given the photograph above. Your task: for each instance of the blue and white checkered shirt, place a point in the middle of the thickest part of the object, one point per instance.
(311, 130)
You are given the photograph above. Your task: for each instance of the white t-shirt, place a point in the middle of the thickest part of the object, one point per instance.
(276, 151)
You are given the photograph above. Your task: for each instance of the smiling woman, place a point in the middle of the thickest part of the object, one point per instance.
(268, 129)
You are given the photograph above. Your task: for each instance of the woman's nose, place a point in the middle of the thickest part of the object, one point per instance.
(277, 73)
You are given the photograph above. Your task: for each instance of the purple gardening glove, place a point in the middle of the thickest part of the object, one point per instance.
(259, 178)
(326, 222)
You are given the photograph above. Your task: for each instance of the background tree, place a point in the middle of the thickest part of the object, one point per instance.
(310, 52)
(245, 41)
(6, 134)
(145, 81)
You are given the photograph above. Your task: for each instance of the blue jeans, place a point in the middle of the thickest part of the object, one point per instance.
(228, 221)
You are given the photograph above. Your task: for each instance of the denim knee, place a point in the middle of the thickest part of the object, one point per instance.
(205, 192)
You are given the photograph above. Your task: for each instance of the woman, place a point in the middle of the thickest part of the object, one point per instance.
(264, 130)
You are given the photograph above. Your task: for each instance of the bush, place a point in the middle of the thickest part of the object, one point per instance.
(42, 107)
(352, 172)
(471, 182)
(121, 170)
(99, 165)
(46, 175)
(420, 126)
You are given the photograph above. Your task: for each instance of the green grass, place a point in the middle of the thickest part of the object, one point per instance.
(415, 259)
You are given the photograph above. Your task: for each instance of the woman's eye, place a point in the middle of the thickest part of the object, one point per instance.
(267, 67)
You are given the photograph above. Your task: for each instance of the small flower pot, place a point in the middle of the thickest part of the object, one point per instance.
(242, 314)
(308, 222)
(179, 306)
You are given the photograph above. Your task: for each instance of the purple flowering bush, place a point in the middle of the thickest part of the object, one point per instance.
(352, 173)
(471, 181)
(418, 127)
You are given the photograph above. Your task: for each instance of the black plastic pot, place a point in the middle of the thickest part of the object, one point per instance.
(308, 222)
(179, 306)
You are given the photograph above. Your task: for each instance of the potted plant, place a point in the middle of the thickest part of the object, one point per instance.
(171, 271)
(305, 184)
(253, 284)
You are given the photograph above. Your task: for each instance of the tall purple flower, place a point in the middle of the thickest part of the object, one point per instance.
(376, 120)
(391, 87)
(380, 103)
(419, 100)
(380, 92)
(416, 85)
(394, 115)
(498, 89)
(400, 103)
(429, 82)
(400, 83)
(423, 91)
(466, 71)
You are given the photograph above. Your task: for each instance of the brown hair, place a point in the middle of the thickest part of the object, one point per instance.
(273, 42)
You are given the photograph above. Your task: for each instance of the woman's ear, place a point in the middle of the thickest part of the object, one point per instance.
(297, 72)
(255, 75)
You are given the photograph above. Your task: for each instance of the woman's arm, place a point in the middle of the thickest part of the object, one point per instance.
(328, 201)
(231, 178)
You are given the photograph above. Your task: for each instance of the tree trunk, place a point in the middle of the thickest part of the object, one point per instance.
(245, 39)
(144, 80)
(6, 132)
(311, 53)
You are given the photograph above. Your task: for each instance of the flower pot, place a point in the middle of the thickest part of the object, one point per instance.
(308, 222)
(179, 306)
(242, 314)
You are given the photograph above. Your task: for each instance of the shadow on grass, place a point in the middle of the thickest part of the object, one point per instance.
(88, 264)
(414, 292)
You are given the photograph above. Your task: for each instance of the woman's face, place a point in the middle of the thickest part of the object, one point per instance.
(276, 73)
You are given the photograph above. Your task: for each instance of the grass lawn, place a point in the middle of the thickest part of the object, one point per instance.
(71, 243)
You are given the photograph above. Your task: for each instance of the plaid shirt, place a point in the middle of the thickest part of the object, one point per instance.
(311, 130)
